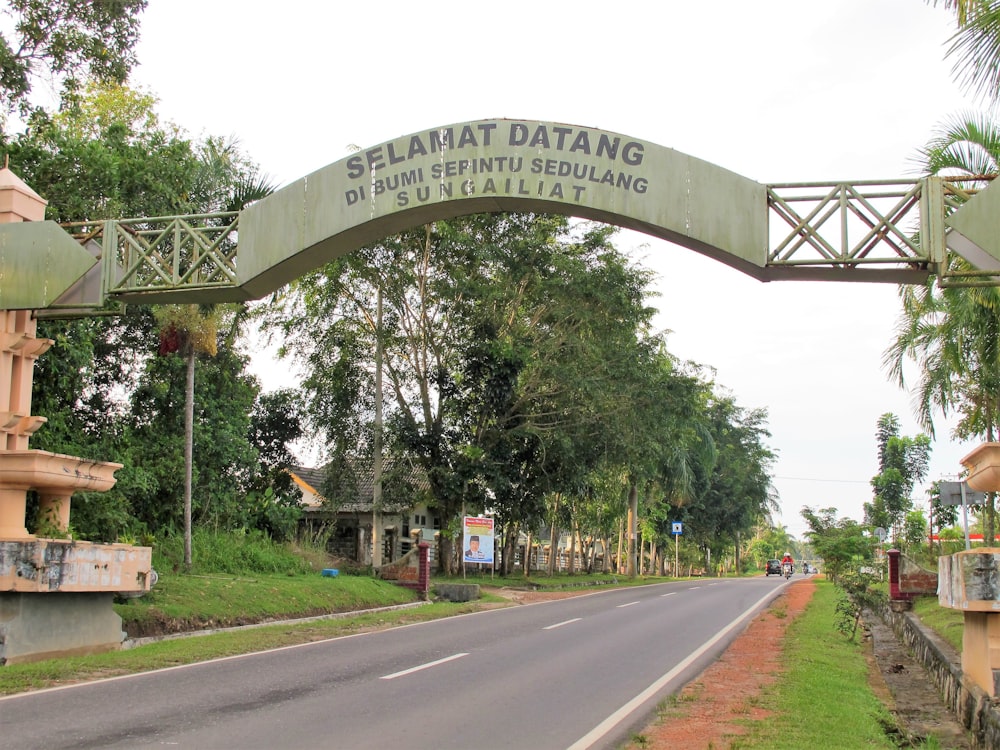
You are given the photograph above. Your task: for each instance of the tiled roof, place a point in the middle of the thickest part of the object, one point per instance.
(315, 478)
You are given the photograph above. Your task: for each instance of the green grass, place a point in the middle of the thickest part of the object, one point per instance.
(234, 553)
(220, 600)
(825, 692)
(947, 623)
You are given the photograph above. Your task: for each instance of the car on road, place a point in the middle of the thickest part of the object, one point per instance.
(773, 566)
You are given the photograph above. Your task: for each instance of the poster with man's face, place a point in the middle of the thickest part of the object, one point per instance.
(477, 534)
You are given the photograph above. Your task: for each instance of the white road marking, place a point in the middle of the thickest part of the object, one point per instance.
(560, 624)
(668, 594)
(428, 665)
(626, 605)
(595, 734)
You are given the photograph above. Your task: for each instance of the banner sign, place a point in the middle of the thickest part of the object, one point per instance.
(478, 535)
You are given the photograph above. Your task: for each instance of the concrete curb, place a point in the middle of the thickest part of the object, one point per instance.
(967, 701)
(134, 642)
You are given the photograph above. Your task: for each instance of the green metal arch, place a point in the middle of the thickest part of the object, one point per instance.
(501, 165)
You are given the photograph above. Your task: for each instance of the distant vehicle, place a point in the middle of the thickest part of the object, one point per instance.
(773, 567)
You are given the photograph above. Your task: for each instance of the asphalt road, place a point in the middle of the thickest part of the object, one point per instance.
(583, 672)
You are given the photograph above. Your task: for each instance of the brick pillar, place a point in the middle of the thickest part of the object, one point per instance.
(894, 592)
(899, 600)
(424, 571)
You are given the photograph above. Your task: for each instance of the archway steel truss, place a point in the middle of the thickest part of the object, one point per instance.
(894, 225)
(815, 228)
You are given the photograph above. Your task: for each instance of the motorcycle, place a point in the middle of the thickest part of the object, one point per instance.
(787, 570)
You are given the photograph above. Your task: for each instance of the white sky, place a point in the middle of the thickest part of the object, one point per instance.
(777, 91)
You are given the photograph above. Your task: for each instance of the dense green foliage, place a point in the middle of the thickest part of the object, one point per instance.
(66, 39)
(107, 387)
(522, 377)
(843, 544)
(902, 463)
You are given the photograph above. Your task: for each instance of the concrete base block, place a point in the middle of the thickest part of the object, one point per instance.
(45, 626)
(457, 592)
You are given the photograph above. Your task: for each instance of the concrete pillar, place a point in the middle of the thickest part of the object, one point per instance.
(18, 202)
(970, 581)
(43, 626)
(53, 509)
(981, 650)
(13, 502)
(56, 596)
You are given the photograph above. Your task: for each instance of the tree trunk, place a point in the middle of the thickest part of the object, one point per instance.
(188, 450)
(619, 561)
(509, 547)
(445, 549)
(633, 512)
(553, 539)
(572, 545)
(526, 559)
(990, 521)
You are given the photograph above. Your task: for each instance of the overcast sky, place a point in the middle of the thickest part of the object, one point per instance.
(775, 91)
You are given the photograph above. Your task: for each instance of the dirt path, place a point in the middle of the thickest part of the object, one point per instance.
(710, 711)
(707, 710)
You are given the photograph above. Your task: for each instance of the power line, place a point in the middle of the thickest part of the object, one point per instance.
(817, 479)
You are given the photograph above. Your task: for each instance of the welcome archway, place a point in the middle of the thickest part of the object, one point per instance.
(861, 230)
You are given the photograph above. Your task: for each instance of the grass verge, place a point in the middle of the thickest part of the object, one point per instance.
(191, 602)
(947, 623)
(825, 692)
(16, 678)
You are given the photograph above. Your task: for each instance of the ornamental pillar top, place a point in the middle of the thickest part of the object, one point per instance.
(18, 202)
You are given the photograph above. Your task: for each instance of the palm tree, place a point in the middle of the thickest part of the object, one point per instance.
(226, 181)
(953, 334)
(976, 44)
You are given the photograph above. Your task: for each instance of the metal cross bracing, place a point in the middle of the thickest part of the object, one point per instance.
(874, 230)
(891, 229)
(142, 257)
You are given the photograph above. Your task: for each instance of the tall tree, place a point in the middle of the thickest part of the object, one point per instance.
(903, 462)
(225, 181)
(499, 340)
(841, 543)
(106, 155)
(67, 39)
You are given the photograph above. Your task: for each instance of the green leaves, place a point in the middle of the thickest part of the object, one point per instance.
(70, 39)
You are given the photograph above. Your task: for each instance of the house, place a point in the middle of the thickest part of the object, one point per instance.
(406, 513)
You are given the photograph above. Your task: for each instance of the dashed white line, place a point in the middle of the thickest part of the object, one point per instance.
(671, 593)
(560, 624)
(627, 605)
(598, 732)
(428, 665)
